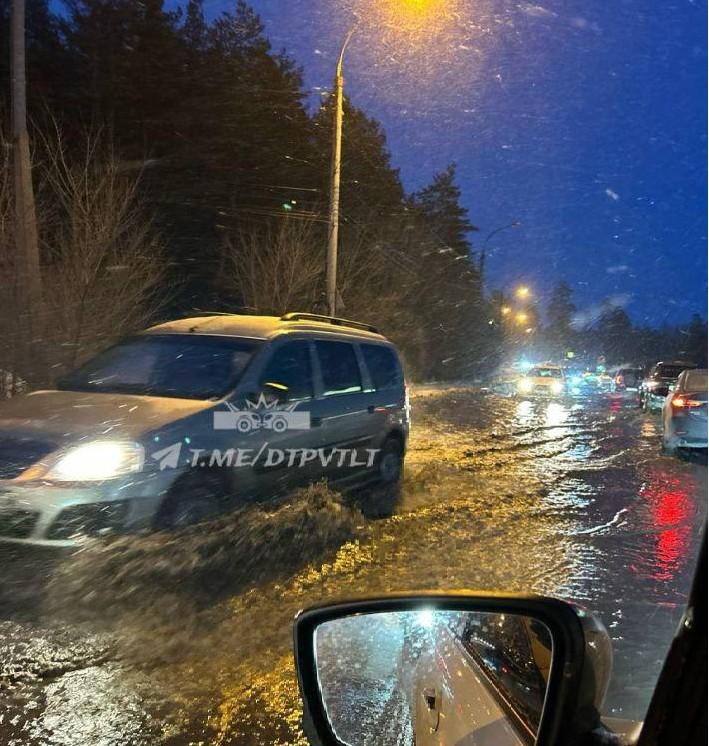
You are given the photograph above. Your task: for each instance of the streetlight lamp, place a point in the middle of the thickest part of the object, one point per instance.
(522, 292)
(335, 168)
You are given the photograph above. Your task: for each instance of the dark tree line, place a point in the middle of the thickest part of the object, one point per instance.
(613, 335)
(217, 124)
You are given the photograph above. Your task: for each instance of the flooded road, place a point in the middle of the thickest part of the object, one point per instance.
(186, 639)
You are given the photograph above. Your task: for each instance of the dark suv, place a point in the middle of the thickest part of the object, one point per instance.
(655, 387)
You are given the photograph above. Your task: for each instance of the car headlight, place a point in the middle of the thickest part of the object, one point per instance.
(557, 387)
(524, 385)
(98, 460)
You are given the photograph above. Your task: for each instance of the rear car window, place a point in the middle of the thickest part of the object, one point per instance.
(290, 366)
(671, 371)
(340, 370)
(383, 366)
(695, 380)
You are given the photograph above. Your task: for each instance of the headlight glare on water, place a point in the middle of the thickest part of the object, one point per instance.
(98, 460)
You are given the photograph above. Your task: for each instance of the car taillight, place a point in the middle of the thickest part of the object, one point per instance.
(682, 402)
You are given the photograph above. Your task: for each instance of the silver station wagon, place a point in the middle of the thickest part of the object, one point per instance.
(195, 416)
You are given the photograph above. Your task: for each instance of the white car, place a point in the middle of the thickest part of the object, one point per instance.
(543, 380)
(684, 413)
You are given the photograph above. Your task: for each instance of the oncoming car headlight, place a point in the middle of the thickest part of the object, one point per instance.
(524, 385)
(96, 461)
(557, 387)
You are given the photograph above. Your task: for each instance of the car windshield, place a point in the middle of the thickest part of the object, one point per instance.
(302, 300)
(670, 371)
(545, 373)
(179, 366)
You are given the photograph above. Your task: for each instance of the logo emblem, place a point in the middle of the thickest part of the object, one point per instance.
(261, 415)
(169, 457)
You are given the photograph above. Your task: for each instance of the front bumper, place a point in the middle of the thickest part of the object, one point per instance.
(544, 392)
(33, 512)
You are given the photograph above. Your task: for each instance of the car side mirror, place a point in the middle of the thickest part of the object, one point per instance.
(451, 669)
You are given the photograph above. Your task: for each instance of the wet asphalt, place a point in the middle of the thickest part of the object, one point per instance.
(186, 638)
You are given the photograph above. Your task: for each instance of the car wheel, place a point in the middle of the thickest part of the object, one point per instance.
(380, 500)
(194, 498)
(390, 462)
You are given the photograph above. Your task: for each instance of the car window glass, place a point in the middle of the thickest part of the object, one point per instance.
(382, 365)
(340, 370)
(695, 380)
(671, 371)
(290, 366)
(182, 366)
(546, 373)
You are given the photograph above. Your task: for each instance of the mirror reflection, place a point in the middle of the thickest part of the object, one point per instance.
(449, 678)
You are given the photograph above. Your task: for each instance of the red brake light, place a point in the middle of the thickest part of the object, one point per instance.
(680, 401)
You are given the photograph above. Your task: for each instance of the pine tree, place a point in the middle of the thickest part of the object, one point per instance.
(456, 313)
(370, 187)
(440, 204)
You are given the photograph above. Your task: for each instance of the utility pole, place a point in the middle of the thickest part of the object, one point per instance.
(28, 278)
(335, 168)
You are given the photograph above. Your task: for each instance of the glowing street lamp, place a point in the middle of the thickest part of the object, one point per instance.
(523, 292)
(413, 15)
(506, 310)
(522, 317)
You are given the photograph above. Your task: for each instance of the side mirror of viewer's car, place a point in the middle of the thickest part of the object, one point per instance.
(463, 669)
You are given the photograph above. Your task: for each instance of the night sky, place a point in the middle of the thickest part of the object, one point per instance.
(584, 121)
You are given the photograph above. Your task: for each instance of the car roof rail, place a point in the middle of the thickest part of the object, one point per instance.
(195, 312)
(295, 316)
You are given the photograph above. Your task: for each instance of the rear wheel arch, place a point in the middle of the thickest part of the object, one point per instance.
(396, 434)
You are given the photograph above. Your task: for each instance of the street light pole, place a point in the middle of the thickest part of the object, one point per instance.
(483, 253)
(335, 169)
